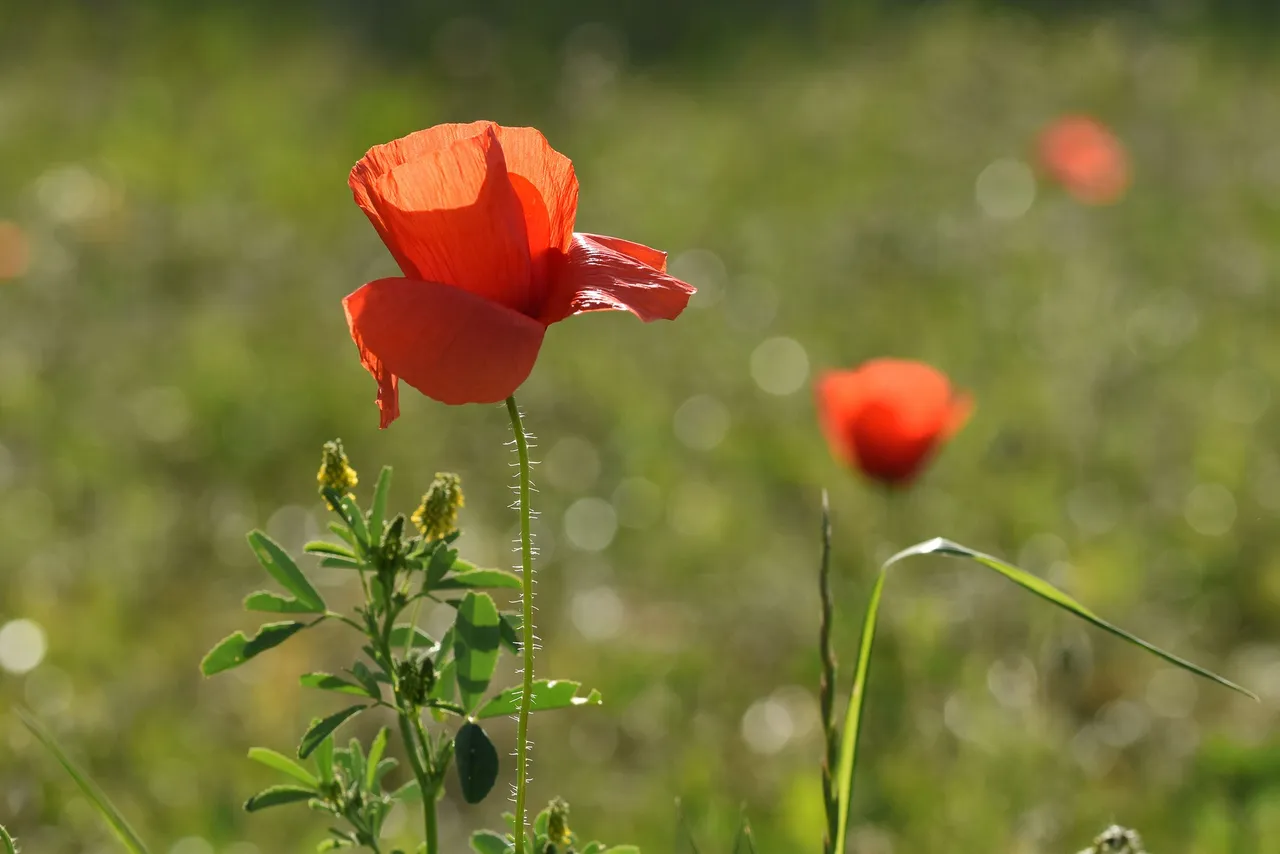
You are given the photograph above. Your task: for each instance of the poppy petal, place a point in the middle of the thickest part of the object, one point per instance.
(449, 344)
(388, 399)
(455, 218)
(381, 159)
(551, 175)
(655, 258)
(596, 277)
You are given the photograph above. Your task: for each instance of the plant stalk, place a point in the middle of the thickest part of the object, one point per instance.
(827, 687)
(526, 642)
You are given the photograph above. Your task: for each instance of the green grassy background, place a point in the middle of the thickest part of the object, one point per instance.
(176, 354)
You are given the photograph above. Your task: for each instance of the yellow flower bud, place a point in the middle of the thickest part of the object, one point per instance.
(437, 516)
(335, 472)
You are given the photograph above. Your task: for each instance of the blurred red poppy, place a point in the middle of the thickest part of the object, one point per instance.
(1086, 158)
(888, 416)
(480, 219)
(15, 250)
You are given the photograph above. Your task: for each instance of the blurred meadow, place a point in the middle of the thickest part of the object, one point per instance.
(841, 182)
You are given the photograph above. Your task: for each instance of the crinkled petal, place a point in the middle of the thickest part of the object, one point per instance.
(551, 175)
(655, 258)
(456, 219)
(449, 344)
(381, 159)
(596, 277)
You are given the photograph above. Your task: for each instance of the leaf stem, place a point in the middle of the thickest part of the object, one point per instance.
(526, 643)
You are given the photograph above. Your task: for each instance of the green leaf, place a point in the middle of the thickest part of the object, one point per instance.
(475, 646)
(446, 706)
(442, 560)
(376, 750)
(284, 765)
(341, 530)
(119, 826)
(443, 691)
(488, 842)
(324, 759)
(7, 845)
(857, 698)
(409, 793)
(235, 650)
(336, 562)
(622, 849)
(477, 762)
(366, 678)
(509, 631)
(382, 769)
(278, 796)
(540, 822)
(547, 694)
(355, 760)
(351, 512)
(321, 729)
(329, 682)
(594, 848)
(276, 561)
(324, 547)
(274, 603)
(378, 512)
(400, 634)
(494, 579)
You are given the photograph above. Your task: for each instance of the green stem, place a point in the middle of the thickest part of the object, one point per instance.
(827, 687)
(526, 643)
(425, 786)
(410, 722)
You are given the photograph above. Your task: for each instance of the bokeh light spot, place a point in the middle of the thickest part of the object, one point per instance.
(22, 646)
(701, 422)
(590, 524)
(597, 613)
(1210, 509)
(703, 269)
(779, 366)
(572, 464)
(192, 845)
(1005, 189)
(767, 726)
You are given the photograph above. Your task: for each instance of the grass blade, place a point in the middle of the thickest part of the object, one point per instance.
(123, 831)
(1029, 582)
(7, 845)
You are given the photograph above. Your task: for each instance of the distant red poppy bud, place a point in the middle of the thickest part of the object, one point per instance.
(1086, 158)
(480, 219)
(887, 417)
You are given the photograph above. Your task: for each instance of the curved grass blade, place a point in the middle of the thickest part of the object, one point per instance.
(1024, 579)
(121, 828)
(7, 845)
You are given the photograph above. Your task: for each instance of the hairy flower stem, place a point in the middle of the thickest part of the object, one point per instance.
(827, 687)
(526, 641)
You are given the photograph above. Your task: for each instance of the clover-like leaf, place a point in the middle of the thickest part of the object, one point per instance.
(235, 650)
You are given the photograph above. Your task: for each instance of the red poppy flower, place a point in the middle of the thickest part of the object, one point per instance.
(480, 219)
(1086, 158)
(888, 416)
